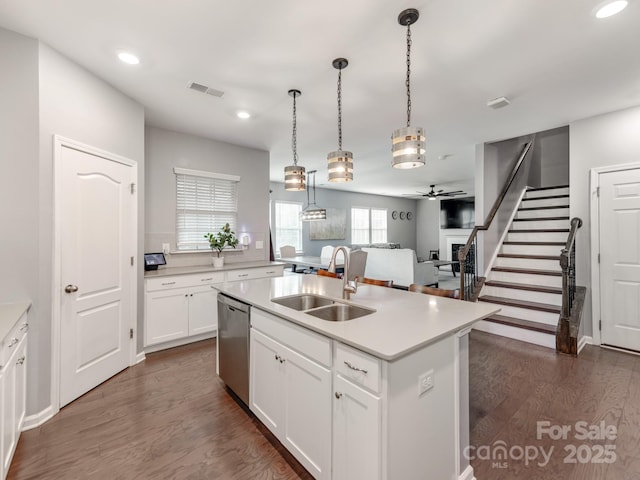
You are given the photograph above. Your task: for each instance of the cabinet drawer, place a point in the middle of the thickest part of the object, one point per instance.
(358, 366)
(181, 281)
(310, 344)
(12, 340)
(242, 274)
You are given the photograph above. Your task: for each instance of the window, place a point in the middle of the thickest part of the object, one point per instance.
(205, 201)
(368, 225)
(288, 228)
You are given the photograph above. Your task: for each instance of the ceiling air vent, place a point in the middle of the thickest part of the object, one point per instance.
(204, 89)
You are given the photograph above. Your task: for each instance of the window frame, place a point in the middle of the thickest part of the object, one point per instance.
(276, 231)
(196, 216)
(370, 228)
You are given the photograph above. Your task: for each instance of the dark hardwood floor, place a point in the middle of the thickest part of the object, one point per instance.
(171, 418)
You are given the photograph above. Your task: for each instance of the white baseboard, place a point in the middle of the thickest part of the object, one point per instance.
(179, 342)
(584, 341)
(467, 474)
(140, 357)
(37, 419)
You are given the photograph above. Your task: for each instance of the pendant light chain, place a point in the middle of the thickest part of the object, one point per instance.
(340, 109)
(408, 81)
(294, 140)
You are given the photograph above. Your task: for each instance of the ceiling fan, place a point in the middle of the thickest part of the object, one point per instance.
(433, 194)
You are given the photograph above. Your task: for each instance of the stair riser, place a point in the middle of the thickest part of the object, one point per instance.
(537, 237)
(528, 295)
(532, 315)
(547, 193)
(547, 202)
(537, 338)
(553, 265)
(551, 212)
(532, 249)
(540, 224)
(526, 279)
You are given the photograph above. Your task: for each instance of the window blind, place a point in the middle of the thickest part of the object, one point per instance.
(204, 203)
(378, 225)
(359, 226)
(288, 225)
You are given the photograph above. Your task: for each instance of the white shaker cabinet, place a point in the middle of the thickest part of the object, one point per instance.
(290, 392)
(13, 354)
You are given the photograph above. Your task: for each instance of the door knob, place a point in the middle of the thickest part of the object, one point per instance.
(71, 288)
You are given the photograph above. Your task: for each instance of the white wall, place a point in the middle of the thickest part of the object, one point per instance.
(609, 139)
(398, 231)
(166, 150)
(428, 226)
(45, 94)
(19, 196)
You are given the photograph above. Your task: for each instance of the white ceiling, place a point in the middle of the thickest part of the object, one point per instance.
(553, 59)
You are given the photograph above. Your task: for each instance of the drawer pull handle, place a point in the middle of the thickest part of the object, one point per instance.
(338, 395)
(169, 283)
(24, 327)
(355, 368)
(270, 273)
(20, 361)
(13, 341)
(243, 275)
(206, 279)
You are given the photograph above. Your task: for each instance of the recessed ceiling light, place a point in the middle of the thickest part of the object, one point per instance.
(243, 115)
(129, 58)
(610, 8)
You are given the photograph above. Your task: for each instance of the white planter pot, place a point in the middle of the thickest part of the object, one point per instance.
(218, 262)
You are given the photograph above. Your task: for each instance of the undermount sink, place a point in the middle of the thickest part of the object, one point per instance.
(339, 312)
(323, 307)
(303, 302)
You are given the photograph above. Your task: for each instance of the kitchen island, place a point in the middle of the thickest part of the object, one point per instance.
(382, 396)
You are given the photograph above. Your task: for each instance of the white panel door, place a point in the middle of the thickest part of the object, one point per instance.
(619, 212)
(97, 215)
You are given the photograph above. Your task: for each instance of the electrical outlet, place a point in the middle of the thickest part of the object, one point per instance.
(425, 382)
(165, 248)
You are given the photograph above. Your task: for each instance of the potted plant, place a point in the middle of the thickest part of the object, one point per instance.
(221, 240)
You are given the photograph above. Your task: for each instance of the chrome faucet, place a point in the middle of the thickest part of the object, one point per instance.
(348, 287)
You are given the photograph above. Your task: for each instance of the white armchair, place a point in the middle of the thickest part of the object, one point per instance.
(400, 265)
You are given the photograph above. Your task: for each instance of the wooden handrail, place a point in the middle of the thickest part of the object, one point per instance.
(576, 223)
(464, 251)
(566, 266)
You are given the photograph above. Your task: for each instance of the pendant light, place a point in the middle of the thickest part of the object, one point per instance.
(294, 176)
(340, 162)
(312, 211)
(408, 143)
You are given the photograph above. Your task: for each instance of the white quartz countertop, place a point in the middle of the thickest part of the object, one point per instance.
(403, 321)
(10, 313)
(163, 272)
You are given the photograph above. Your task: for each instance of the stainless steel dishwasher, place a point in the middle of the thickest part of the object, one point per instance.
(233, 345)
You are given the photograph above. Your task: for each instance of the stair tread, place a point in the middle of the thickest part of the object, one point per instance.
(532, 257)
(534, 243)
(546, 207)
(520, 323)
(545, 198)
(540, 219)
(512, 302)
(541, 230)
(524, 286)
(537, 189)
(530, 271)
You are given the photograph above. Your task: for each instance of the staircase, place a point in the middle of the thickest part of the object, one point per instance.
(526, 278)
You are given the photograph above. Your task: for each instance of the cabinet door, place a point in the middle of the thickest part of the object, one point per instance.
(307, 423)
(167, 315)
(266, 381)
(8, 411)
(20, 387)
(356, 432)
(203, 309)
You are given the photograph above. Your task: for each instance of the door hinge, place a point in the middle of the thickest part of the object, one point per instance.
(133, 188)
(131, 333)
(132, 261)
(600, 324)
(598, 258)
(598, 192)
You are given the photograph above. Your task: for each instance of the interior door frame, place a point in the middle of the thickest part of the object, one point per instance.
(594, 207)
(59, 143)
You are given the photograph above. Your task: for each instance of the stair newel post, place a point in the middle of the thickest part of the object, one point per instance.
(462, 258)
(564, 265)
